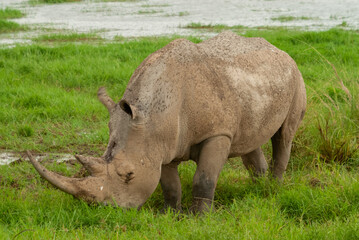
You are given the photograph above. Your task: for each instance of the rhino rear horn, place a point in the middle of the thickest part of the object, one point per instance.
(95, 166)
(105, 99)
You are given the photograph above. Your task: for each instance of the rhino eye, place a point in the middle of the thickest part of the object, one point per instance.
(126, 107)
(129, 177)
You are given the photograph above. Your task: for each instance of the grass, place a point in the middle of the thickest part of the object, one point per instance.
(65, 77)
(295, 210)
(72, 37)
(34, 2)
(185, 13)
(217, 28)
(9, 13)
(343, 24)
(10, 26)
(290, 18)
(149, 11)
(25, 131)
(155, 5)
(179, 14)
(48, 104)
(119, 0)
(212, 27)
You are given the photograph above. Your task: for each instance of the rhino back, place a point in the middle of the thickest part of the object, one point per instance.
(227, 85)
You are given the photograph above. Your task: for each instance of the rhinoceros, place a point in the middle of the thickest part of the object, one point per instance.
(218, 99)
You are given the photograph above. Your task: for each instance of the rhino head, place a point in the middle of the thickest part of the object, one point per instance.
(129, 171)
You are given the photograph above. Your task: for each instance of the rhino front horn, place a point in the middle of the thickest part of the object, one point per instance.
(91, 188)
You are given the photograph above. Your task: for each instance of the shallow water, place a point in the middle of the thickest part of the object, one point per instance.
(154, 17)
(9, 157)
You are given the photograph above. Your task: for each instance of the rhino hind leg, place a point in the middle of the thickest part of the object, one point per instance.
(255, 163)
(213, 154)
(283, 138)
(281, 153)
(171, 186)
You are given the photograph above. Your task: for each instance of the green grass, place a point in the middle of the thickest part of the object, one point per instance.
(295, 210)
(149, 11)
(9, 13)
(211, 27)
(155, 5)
(343, 24)
(45, 86)
(25, 131)
(119, 0)
(185, 13)
(10, 26)
(179, 14)
(290, 18)
(51, 1)
(48, 104)
(71, 37)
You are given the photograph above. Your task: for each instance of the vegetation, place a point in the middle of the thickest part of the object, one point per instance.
(149, 11)
(72, 37)
(10, 26)
(290, 18)
(343, 24)
(67, 1)
(51, 1)
(48, 104)
(155, 5)
(118, 0)
(210, 27)
(9, 13)
(185, 13)
(179, 14)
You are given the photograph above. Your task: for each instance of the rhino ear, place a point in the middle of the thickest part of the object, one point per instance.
(127, 108)
(105, 99)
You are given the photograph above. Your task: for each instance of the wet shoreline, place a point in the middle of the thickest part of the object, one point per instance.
(159, 18)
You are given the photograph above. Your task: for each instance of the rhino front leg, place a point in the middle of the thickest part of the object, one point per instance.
(171, 186)
(213, 154)
(255, 163)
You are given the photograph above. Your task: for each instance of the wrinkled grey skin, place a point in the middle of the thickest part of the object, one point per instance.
(224, 97)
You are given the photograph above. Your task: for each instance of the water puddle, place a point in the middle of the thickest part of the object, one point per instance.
(7, 158)
(156, 18)
(12, 157)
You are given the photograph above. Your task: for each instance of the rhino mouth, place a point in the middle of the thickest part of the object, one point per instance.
(92, 188)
